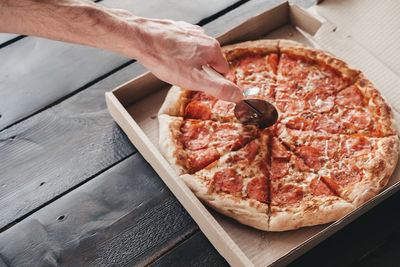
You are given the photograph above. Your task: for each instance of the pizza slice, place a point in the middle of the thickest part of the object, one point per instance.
(307, 79)
(237, 184)
(355, 167)
(299, 197)
(197, 105)
(357, 109)
(190, 145)
(255, 61)
(313, 69)
(362, 166)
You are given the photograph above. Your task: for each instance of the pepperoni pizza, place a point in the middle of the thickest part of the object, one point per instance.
(334, 146)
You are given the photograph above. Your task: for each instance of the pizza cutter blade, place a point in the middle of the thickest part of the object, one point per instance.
(256, 112)
(253, 111)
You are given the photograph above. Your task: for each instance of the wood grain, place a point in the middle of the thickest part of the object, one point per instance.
(59, 148)
(195, 251)
(117, 219)
(36, 72)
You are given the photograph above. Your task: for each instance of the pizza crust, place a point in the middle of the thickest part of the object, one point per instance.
(246, 211)
(315, 211)
(170, 147)
(377, 172)
(174, 103)
(264, 46)
(378, 104)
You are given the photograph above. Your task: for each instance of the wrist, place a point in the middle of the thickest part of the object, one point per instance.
(123, 33)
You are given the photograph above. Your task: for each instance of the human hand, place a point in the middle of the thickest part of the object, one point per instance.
(175, 52)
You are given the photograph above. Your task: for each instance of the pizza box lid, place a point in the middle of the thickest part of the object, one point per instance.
(135, 104)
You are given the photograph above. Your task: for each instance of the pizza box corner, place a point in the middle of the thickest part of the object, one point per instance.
(329, 26)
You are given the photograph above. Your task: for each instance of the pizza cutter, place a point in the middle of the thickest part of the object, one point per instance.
(253, 111)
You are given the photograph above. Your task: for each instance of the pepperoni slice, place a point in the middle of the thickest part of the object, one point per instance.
(278, 150)
(311, 157)
(286, 87)
(294, 68)
(347, 175)
(263, 168)
(223, 108)
(273, 61)
(253, 64)
(327, 124)
(290, 105)
(299, 123)
(326, 78)
(279, 168)
(350, 97)
(201, 96)
(288, 194)
(199, 159)
(245, 154)
(356, 146)
(195, 135)
(357, 117)
(319, 188)
(198, 110)
(300, 165)
(331, 184)
(228, 181)
(258, 189)
(227, 135)
(326, 147)
(320, 101)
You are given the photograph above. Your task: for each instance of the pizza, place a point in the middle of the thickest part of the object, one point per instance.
(333, 148)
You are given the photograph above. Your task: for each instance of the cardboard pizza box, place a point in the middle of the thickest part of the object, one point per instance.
(330, 26)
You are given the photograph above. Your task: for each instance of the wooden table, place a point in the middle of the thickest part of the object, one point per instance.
(74, 191)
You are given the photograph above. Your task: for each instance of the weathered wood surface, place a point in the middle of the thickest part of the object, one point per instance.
(36, 72)
(59, 148)
(126, 216)
(195, 251)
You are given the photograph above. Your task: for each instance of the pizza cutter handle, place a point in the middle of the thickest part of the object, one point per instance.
(213, 73)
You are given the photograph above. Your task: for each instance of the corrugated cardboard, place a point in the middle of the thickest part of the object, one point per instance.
(136, 113)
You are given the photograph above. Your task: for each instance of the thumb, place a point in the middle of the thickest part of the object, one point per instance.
(221, 88)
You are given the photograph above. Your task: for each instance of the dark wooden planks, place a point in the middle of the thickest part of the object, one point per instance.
(195, 251)
(36, 72)
(117, 219)
(386, 254)
(59, 148)
(362, 241)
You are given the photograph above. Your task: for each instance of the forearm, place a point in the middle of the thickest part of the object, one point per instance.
(174, 51)
(81, 22)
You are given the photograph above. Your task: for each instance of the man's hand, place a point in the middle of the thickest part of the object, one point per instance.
(174, 51)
